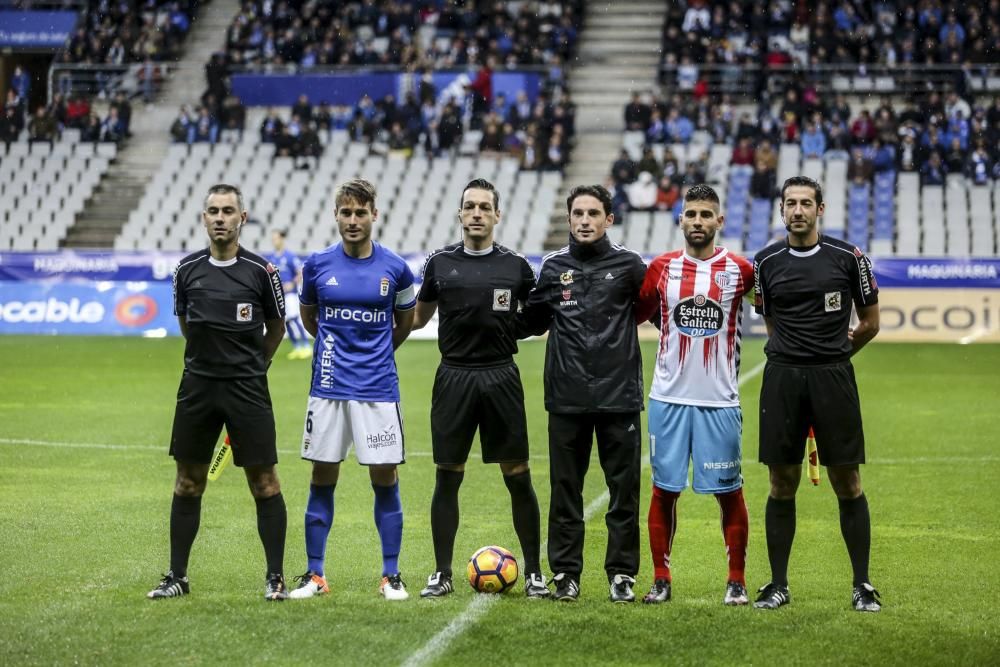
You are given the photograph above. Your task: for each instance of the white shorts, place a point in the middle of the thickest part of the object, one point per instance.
(375, 429)
(291, 305)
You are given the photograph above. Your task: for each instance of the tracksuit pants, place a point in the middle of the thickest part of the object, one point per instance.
(571, 437)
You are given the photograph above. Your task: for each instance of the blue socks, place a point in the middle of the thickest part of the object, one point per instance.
(389, 521)
(319, 519)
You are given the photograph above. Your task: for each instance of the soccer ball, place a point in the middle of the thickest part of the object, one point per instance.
(492, 570)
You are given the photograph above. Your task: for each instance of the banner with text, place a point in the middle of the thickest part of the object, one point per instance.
(129, 293)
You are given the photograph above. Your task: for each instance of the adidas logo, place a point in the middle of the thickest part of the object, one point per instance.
(454, 272)
(333, 281)
(609, 277)
(631, 427)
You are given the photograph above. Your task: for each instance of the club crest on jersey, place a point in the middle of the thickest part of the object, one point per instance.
(722, 280)
(501, 299)
(698, 317)
(566, 278)
(244, 312)
(831, 301)
(383, 287)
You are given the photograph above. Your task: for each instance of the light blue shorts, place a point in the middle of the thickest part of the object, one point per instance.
(711, 437)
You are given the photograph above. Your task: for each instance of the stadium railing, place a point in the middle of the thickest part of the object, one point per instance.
(745, 80)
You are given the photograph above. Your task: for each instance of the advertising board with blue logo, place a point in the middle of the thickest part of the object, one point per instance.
(922, 299)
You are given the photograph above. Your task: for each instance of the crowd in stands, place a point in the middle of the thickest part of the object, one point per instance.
(47, 122)
(537, 133)
(837, 32)
(933, 135)
(119, 33)
(430, 33)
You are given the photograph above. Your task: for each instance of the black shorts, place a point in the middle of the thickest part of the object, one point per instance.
(488, 398)
(793, 398)
(242, 405)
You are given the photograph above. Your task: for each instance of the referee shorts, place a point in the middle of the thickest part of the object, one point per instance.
(242, 405)
(793, 398)
(488, 398)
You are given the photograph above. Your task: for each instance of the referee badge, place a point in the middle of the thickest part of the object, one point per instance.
(383, 287)
(501, 299)
(244, 312)
(832, 302)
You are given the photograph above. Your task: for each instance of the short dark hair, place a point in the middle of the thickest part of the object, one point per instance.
(597, 191)
(357, 189)
(803, 181)
(280, 231)
(702, 192)
(481, 184)
(225, 189)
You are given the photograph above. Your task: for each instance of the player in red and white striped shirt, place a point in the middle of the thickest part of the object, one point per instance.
(694, 407)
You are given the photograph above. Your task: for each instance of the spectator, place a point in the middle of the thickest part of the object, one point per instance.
(270, 127)
(813, 141)
(624, 170)
(679, 128)
(450, 127)
(955, 157)
(182, 129)
(302, 108)
(669, 166)
(92, 128)
(206, 128)
(637, 114)
(933, 171)
(111, 127)
(42, 127)
(863, 129)
(649, 163)
(233, 117)
(657, 131)
(531, 159)
(910, 156)
(766, 153)
(492, 139)
(979, 165)
(667, 194)
(743, 153)
(9, 130)
(124, 109)
(860, 168)
(884, 158)
(77, 111)
(642, 194)
(556, 153)
(954, 105)
(20, 83)
(762, 181)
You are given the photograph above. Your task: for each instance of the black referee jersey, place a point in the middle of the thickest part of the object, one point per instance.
(807, 294)
(477, 298)
(225, 305)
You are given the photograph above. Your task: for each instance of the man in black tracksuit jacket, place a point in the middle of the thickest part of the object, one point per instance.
(585, 298)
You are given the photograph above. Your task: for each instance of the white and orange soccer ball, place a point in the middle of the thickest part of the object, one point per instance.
(492, 570)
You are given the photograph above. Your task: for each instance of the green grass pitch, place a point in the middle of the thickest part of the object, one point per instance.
(85, 496)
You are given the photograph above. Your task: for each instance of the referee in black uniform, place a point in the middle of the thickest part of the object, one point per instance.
(805, 287)
(231, 310)
(477, 286)
(585, 298)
